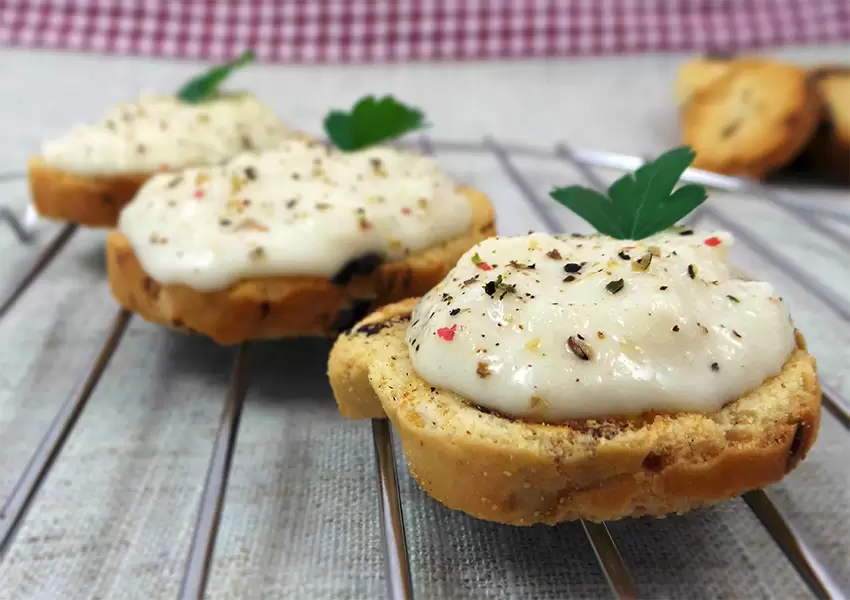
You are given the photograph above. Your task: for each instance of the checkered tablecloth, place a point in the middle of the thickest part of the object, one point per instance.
(317, 31)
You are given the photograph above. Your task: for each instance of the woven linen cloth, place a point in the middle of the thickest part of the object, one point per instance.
(331, 31)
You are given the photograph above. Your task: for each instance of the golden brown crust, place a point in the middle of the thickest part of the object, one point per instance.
(273, 307)
(753, 119)
(91, 200)
(522, 473)
(697, 74)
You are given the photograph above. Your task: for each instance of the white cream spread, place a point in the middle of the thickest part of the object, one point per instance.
(553, 328)
(302, 209)
(160, 133)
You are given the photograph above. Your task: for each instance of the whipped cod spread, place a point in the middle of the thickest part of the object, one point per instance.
(301, 209)
(161, 133)
(552, 328)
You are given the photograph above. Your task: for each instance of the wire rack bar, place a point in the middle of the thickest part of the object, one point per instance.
(792, 542)
(18, 503)
(47, 255)
(613, 566)
(12, 176)
(722, 182)
(838, 406)
(399, 586)
(23, 229)
(198, 563)
(810, 567)
(542, 208)
(619, 580)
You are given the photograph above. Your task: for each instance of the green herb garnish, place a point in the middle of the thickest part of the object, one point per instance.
(371, 122)
(205, 86)
(640, 204)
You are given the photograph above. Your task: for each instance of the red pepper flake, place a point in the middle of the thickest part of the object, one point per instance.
(481, 264)
(199, 193)
(163, 167)
(712, 242)
(447, 333)
(406, 211)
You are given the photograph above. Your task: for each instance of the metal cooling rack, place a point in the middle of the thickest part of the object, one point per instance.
(788, 535)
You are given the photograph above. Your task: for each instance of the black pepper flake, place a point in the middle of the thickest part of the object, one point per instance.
(454, 311)
(733, 298)
(715, 367)
(579, 348)
(291, 203)
(250, 173)
(175, 182)
(736, 334)
(519, 265)
(225, 222)
(692, 271)
(623, 255)
(471, 280)
(686, 232)
(447, 298)
(615, 286)
(491, 287)
(675, 328)
(569, 278)
(663, 288)
(572, 267)
(553, 253)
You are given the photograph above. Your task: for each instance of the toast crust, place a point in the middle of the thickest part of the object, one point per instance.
(90, 200)
(752, 119)
(521, 473)
(697, 74)
(274, 307)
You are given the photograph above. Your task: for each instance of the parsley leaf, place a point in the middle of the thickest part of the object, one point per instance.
(641, 204)
(591, 206)
(205, 86)
(372, 121)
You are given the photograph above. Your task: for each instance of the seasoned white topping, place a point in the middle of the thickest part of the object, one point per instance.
(555, 328)
(159, 133)
(302, 209)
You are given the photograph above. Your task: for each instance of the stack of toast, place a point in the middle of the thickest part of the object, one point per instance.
(755, 117)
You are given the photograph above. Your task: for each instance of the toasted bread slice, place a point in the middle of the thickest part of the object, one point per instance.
(521, 473)
(91, 200)
(274, 307)
(753, 119)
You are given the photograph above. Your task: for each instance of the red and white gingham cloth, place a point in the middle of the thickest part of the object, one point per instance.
(318, 31)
